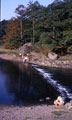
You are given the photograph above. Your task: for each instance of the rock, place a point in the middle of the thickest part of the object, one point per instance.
(70, 108)
(26, 48)
(71, 101)
(47, 98)
(52, 56)
(41, 100)
(69, 105)
(14, 55)
(38, 55)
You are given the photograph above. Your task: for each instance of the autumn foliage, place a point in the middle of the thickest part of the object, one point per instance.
(12, 37)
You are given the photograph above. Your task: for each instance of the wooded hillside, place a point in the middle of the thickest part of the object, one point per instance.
(49, 27)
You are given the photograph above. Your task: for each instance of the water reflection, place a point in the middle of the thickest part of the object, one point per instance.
(21, 84)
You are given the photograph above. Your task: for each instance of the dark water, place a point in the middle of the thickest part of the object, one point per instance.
(23, 84)
(60, 79)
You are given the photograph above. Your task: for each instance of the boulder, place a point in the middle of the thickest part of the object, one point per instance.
(25, 49)
(71, 101)
(69, 105)
(52, 55)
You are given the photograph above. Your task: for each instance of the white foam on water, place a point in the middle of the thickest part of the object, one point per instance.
(55, 83)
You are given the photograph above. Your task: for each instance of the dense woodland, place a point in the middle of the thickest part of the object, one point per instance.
(46, 27)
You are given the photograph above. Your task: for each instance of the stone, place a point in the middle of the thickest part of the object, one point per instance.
(68, 106)
(38, 55)
(52, 55)
(71, 101)
(47, 98)
(41, 100)
(25, 49)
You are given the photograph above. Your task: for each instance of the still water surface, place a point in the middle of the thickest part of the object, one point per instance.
(23, 84)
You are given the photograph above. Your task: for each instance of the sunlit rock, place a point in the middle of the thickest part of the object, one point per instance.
(52, 55)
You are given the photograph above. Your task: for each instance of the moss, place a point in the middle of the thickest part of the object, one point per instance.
(58, 113)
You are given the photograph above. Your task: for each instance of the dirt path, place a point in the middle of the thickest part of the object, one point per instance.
(40, 112)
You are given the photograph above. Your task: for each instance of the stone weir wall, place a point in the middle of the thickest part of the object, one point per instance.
(40, 59)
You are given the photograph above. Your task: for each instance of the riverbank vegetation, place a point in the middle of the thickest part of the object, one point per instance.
(47, 27)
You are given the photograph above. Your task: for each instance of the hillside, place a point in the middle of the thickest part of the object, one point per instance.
(49, 28)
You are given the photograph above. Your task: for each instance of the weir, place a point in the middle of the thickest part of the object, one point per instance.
(55, 83)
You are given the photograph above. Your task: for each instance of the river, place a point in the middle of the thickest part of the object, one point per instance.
(26, 84)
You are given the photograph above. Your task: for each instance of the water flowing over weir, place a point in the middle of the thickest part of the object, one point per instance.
(55, 83)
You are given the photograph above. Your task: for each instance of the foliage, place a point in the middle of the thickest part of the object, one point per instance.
(2, 29)
(12, 38)
(44, 38)
(49, 26)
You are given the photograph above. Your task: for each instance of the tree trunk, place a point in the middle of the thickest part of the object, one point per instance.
(33, 32)
(21, 28)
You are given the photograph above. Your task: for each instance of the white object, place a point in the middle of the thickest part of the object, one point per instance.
(60, 99)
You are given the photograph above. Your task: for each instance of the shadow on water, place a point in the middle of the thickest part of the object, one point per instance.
(20, 84)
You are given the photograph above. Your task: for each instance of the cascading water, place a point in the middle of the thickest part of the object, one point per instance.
(55, 83)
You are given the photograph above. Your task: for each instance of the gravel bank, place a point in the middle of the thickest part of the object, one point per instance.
(40, 112)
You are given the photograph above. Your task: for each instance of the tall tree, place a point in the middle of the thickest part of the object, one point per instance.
(20, 11)
(32, 12)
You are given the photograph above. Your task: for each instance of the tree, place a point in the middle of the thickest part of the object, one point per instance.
(12, 37)
(20, 11)
(2, 30)
(32, 12)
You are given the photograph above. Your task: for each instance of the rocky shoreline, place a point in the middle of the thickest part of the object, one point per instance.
(51, 60)
(36, 57)
(53, 63)
(42, 60)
